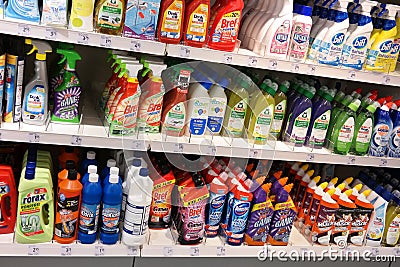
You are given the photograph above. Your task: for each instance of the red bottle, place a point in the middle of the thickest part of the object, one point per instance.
(69, 153)
(8, 200)
(197, 17)
(171, 21)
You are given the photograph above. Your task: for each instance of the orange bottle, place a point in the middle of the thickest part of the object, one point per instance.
(355, 192)
(67, 210)
(310, 215)
(297, 179)
(63, 175)
(69, 153)
(171, 21)
(8, 200)
(197, 17)
(304, 207)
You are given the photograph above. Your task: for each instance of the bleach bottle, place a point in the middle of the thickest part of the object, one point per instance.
(106, 171)
(90, 210)
(89, 160)
(215, 206)
(218, 104)
(111, 211)
(113, 171)
(381, 133)
(394, 139)
(91, 169)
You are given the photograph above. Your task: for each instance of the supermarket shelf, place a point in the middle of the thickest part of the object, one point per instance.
(249, 59)
(83, 38)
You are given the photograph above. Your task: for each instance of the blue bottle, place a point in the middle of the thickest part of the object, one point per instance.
(113, 171)
(91, 169)
(111, 211)
(106, 171)
(90, 160)
(90, 209)
(381, 133)
(394, 139)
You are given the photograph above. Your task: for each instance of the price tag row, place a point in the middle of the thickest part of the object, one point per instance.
(67, 250)
(220, 251)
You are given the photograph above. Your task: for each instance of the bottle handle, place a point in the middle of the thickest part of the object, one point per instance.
(5, 213)
(50, 221)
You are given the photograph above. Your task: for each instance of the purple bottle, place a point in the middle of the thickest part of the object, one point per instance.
(320, 119)
(299, 119)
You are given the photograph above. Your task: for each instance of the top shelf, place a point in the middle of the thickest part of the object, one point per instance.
(241, 58)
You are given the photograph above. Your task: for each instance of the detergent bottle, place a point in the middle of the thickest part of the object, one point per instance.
(89, 160)
(63, 175)
(280, 109)
(197, 17)
(215, 206)
(301, 191)
(113, 171)
(378, 58)
(224, 28)
(171, 19)
(106, 171)
(91, 169)
(362, 216)
(69, 153)
(303, 171)
(90, 210)
(293, 169)
(307, 222)
(394, 140)
(67, 95)
(300, 36)
(391, 234)
(363, 131)
(305, 202)
(36, 92)
(381, 132)
(218, 106)
(394, 53)
(8, 200)
(110, 16)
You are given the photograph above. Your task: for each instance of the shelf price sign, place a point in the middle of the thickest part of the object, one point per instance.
(194, 252)
(253, 61)
(168, 251)
(221, 251)
(133, 251)
(136, 46)
(76, 140)
(106, 41)
(34, 138)
(83, 38)
(33, 250)
(66, 251)
(51, 34)
(24, 29)
(99, 251)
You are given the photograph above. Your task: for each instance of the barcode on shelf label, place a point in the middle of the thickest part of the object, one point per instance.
(311, 69)
(273, 64)
(34, 138)
(66, 251)
(168, 251)
(24, 29)
(351, 75)
(133, 251)
(178, 148)
(253, 61)
(386, 79)
(310, 157)
(383, 162)
(194, 252)
(33, 250)
(138, 145)
(228, 58)
(221, 251)
(99, 251)
(351, 160)
(106, 41)
(184, 52)
(211, 150)
(76, 140)
(254, 153)
(83, 38)
(51, 34)
(136, 46)
(295, 68)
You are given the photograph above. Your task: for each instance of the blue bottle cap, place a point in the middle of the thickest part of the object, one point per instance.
(137, 163)
(379, 189)
(386, 195)
(144, 172)
(302, 10)
(206, 85)
(30, 173)
(224, 83)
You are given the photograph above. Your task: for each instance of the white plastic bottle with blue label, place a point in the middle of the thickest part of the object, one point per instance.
(394, 139)
(357, 43)
(330, 50)
(217, 108)
(381, 133)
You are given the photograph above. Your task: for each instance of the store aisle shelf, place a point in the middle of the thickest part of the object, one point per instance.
(83, 38)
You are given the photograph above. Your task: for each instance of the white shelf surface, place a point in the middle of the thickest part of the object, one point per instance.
(83, 38)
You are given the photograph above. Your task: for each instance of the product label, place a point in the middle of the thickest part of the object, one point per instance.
(305, 205)
(259, 221)
(227, 28)
(394, 143)
(2, 78)
(136, 219)
(88, 219)
(54, 12)
(10, 86)
(35, 104)
(313, 50)
(236, 118)
(160, 210)
(380, 140)
(216, 115)
(279, 115)
(213, 217)
(199, 116)
(149, 117)
(125, 115)
(354, 52)
(110, 218)
(359, 226)
(281, 223)
(363, 138)
(330, 52)
(4, 189)
(341, 226)
(280, 40)
(193, 220)
(319, 129)
(321, 229)
(110, 15)
(300, 127)
(378, 56)
(229, 204)
(313, 211)
(377, 224)
(175, 119)
(67, 215)
(300, 40)
(31, 210)
(300, 195)
(66, 103)
(393, 232)
(198, 24)
(346, 134)
(394, 54)
(263, 123)
(172, 23)
(237, 224)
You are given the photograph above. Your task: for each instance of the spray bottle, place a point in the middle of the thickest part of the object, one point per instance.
(381, 132)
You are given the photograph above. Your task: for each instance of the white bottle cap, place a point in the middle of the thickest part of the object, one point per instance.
(93, 177)
(91, 155)
(111, 163)
(92, 169)
(114, 171)
(114, 179)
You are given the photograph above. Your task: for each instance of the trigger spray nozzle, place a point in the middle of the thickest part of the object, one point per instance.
(40, 47)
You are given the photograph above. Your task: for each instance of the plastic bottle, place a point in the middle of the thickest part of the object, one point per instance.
(110, 16)
(106, 171)
(215, 206)
(137, 209)
(111, 211)
(301, 191)
(23, 11)
(343, 129)
(69, 153)
(195, 31)
(67, 210)
(298, 177)
(391, 234)
(63, 175)
(236, 110)
(394, 139)
(89, 160)
(113, 171)
(82, 15)
(90, 210)
(171, 19)
(8, 200)
(224, 28)
(91, 169)
(280, 109)
(218, 106)
(305, 202)
(301, 29)
(394, 53)
(306, 224)
(381, 132)
(363, 131)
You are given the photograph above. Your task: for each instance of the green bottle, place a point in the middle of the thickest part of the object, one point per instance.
(338, 99)
(343, 129)
(280, 109)
(363, 131)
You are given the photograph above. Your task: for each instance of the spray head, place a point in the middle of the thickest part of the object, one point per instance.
(40, 47)
(71, 56)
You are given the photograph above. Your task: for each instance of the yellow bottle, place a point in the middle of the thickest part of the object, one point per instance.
(110, 16)
(391, 234)
(262, 113)
(82, 15)
(394, 54)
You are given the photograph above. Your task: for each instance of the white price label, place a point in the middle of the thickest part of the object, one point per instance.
(24, 29)
(33, 250)
(396, 252)
(66, 251)
(295, 68)
(351, 75)
(51, 34)
(386, 79)
(106, 41)
(374, 252)
(311, 69)
(221, 252)
(178, 148)
(273, 64)
(228, 58)
(76, 140)
(211, 150)
(194, 252)
(138, 145)
(310, 157)
(253, 61)
(133, 251)
(383, 162)
(136, 46)
(99, 251)
(254, 153)
(351, 160)
(34, 138)
(83, 38)
(184, 51)
(168, 251)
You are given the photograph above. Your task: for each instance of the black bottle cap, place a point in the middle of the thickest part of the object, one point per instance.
(72, 174)
(70, 164)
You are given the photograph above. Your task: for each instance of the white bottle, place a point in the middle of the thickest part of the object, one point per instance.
(330, 50)
(217, 108)
(137, 209)
(275, 42)
(197, 108)
(317, 10)
(246, 21)
(354, 11)
(377, 223)
(133, 171)
(357, 43)
(300, 36)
